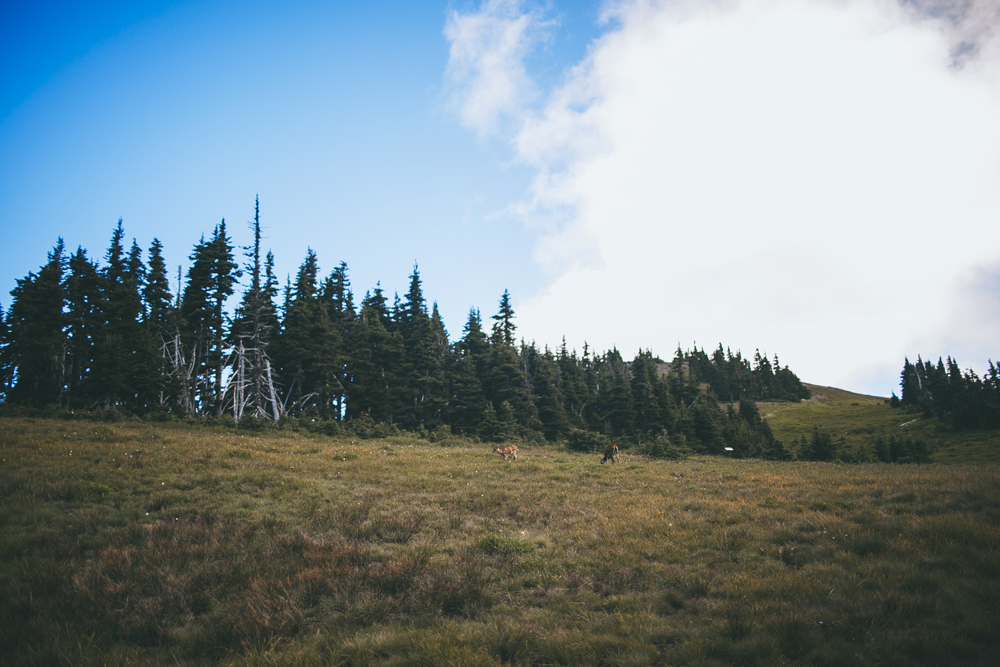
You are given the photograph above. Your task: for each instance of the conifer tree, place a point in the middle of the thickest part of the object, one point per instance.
(423, 361)
(163, 327)
(210, 281)
(614, 410)
(159, 304)
(464, 408)
(907, 383)
(305, 351)
(4, 341)
(375, 356)
(705, 416)
(644, 380)
(126, 366)
(490, 428)
(475, 344)
(507, 381)
(682, 387)
(573, 385)
(548, 397)
(339, 301)
(474, 339)
(820, 448)
(36, 348)
(503, 326)
(84, 319)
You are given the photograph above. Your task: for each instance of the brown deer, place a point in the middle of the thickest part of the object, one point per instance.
(506, 451)
(610, 454)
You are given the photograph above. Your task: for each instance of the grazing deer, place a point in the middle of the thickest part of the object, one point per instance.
(610, 454)
(511, 450)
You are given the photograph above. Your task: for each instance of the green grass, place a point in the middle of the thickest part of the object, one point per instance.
(134, 543)
(857, 418)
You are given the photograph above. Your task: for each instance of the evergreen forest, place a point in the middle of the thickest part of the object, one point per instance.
(962, 399)
(109, 336)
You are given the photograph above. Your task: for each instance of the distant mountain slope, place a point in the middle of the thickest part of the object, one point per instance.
(856, 418)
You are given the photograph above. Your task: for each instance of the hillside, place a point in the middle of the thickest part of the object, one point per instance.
(171, 544)
(857, 418)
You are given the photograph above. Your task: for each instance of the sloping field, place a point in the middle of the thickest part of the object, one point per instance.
(856, 418)
(125, 544)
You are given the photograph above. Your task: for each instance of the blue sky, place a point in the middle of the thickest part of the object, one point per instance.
(175, 115)
(817, 179)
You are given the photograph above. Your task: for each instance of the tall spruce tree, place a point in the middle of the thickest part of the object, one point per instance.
(376, 353)
(614, 409)
(339, 302)
(159, 304)
(507, 382)
(84, 319)
(644, 400)
(573, 385)
(464, 408)
(503, 325)
(549, 399)
(423, 361)
(210, 281)
(126, 361)
(36, 350)
(4, 341)
(305, 351)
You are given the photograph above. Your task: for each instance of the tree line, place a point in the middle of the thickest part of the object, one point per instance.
(962, 399)
(87, 335)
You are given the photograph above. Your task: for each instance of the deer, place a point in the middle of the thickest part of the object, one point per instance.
(506, 451)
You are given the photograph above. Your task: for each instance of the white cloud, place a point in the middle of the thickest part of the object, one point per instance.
(486, 74)
(970, 25)
(817, 178)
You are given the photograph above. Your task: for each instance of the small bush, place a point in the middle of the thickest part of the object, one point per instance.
(580, 440)
(663, 446)
(493, 544)
(254, 424)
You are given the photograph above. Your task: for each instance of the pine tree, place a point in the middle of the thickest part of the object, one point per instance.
(614, 407)
(490, 428)
(749, 412)
(423, 362)
(573, 384)
(84, 319)
(464, 407)
(375, 355)
(706, 416)
(503, 326)
(548, 397)
(339, 301)
(36, 350)
(474, 339)
(305, 351)
(126, 367)
(719, 379)
(820, 448)
(210, 281)
(763, 377)
(507, 381)
(159, 304)
(643, 386)
(4, 371)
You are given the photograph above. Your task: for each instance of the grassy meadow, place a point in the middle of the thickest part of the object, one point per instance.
(854, 419)
(168, 544)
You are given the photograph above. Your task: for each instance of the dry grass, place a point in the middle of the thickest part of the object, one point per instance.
(132, 543)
